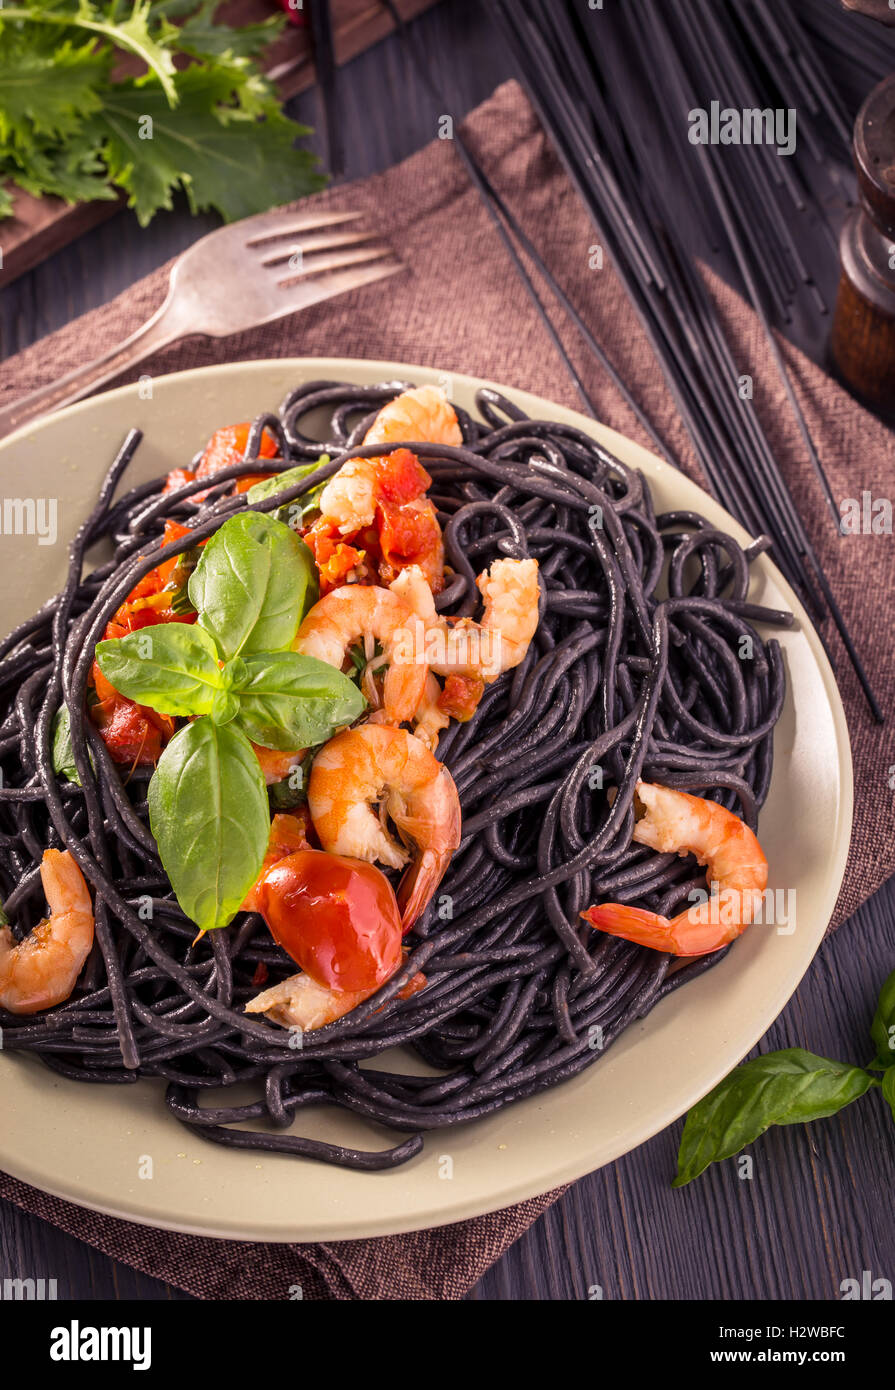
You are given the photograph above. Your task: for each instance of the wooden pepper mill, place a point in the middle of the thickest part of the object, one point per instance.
(863, 341)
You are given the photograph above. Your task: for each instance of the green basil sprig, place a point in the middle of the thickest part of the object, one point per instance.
(783, 1088)
(253, 583)
(234, 676)
(170, 666)
(292, 701)
(209, 815)
(292, 513)
(279, 699)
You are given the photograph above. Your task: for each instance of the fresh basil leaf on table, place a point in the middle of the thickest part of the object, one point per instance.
(209, 814)
(888, 1084)
(882, 1029)
(781, 1088)
(173, 667)
(253, 584)
(294, 701)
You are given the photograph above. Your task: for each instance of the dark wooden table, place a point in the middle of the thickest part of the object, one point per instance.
(818, 1207)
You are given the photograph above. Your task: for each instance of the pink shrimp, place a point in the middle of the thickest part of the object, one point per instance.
(375, 764)
(675, 821)
(365, 613)
(41, 971)
(422, 415)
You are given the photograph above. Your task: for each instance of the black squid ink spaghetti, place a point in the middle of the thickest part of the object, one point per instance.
(643, 669)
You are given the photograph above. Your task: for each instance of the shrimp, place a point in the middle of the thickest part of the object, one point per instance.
(349, 500)
(423, 414)
(371, 764)
(41, 971)
(360, 612)
(674, 821)
(511, 593)
(500, 641)
(413, 587)
(429, 718)
(300, 1002)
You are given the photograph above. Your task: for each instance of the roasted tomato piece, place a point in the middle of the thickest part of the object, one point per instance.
(173, 532)
(410, 535)
(227, 446)
(461, 696)
(248, 481)
(176, 479)
(337, 918)
(133, 734)
(401, 477)
(335, 559)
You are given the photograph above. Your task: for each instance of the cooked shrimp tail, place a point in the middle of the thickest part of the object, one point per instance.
(437, 833)
(737, 870)
(41, 971)
(676, 936)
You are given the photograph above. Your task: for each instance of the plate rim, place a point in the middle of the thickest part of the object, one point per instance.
(240, 1228)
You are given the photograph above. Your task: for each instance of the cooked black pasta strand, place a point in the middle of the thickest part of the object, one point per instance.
(629, 675)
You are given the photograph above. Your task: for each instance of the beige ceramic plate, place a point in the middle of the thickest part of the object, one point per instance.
(87, 1143)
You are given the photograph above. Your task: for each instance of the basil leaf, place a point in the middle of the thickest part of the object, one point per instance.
(780, 1088)
(173, 667)
(889, 1088)
(209, 814)
(224, 707)
(882, 1029)
(293, 701)
(269, 487)
(63, 753)
(253, 584)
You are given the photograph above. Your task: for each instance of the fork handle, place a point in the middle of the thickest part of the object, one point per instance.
(157, 332)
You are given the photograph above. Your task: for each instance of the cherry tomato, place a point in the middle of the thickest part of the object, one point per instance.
(337, 918)
(227, 446)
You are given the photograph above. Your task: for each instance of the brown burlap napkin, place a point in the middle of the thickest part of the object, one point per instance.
(460, 308)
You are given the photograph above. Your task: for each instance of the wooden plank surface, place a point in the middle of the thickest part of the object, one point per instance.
(42, 226)
(818, 1208)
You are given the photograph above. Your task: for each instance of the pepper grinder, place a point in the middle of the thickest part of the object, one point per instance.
(863, 340)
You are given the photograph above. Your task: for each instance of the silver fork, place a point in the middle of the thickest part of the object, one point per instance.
(238, 277)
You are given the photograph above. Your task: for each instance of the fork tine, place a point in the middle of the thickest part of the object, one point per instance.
(337, 261)
(328, 242)
(303, 293)
(310, 223)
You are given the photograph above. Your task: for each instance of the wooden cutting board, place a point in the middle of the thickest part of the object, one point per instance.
(41, 226)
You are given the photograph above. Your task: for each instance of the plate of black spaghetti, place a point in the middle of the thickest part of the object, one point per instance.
(414, 796)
